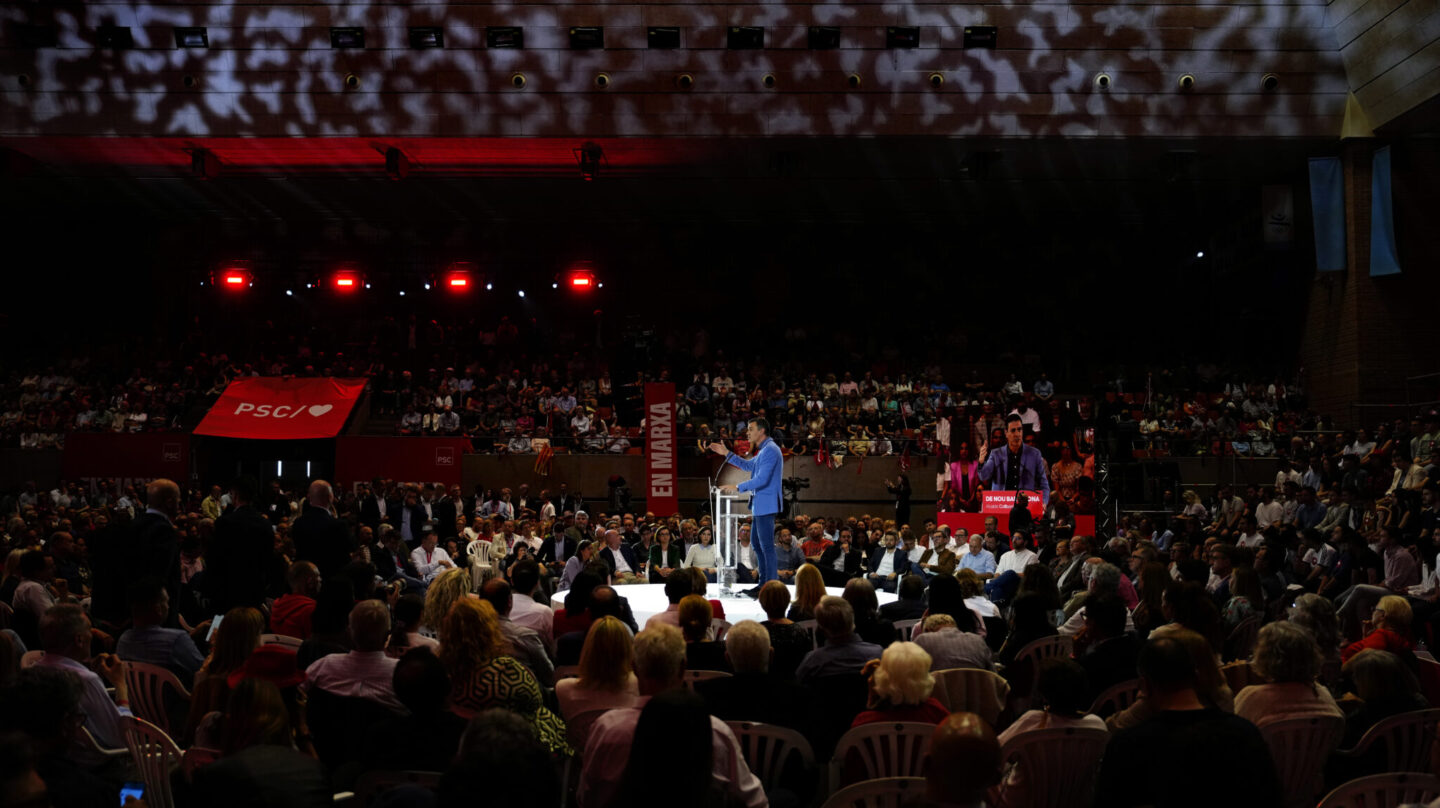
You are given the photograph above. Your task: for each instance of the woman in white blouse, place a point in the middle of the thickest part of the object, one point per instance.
(701, 554)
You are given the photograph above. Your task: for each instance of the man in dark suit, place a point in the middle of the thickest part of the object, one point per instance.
(911, 604)
(752, 694)
(444, 511)
(410, 516)
(319, 537)
(614, 548)
(557, 549)
(565, 501)
(240, 559)
(471, 505)
(524, 499)
(373, 508)
(888, 564)
(392, 560)
(155, 545)
(850, 567)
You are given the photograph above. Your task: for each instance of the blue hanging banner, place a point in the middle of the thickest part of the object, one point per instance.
(1384, 258)
(1327, 205)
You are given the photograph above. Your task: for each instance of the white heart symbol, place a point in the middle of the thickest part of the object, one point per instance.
(320, 409)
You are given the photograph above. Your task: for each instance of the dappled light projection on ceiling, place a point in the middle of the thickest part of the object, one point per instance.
(270, 71)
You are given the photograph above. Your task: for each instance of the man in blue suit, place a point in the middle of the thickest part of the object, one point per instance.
(765, 467)
(1015, 466)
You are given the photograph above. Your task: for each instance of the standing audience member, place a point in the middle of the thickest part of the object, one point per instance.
(239, 560)
(319, 537)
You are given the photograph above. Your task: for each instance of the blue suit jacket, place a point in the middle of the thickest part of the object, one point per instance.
(1033, 476)
(902, 560)
(765, 475)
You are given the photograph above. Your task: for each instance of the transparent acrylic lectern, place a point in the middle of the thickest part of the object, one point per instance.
(727, 536)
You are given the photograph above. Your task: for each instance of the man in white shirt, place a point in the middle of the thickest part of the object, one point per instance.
(429, 559)
(1003, 586)
(366, 672)
(1250, 535)
(524, 610)
(1269, 511)
(33, 596)
(660, 669)
(744, 557)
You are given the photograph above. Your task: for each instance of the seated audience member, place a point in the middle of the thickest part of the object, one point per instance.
(621, 559)
(949, 647)
(405, 628)
(660, 668)
(911, 603)
(365, 672)
(148, 640)
(260, 765)
(700, 653)
(1317, 616)
(677, 586)
(483, 674)
(1012, 565)
(607, 672)
(947, 596)
(1029, 621)
(1247, 598)
(447, 588)
(1387, 629)
(1106, 651)
(1188, 607)
(972, 589)
(843, 652)
(45, 704)
(524, 643)
(426, 738)
(964, 762)
(700, 585)
(429, 559)
(65, 636)
(1287, 657)
(501, 757)
(235, 640)
(1065, 702)
(841, 560)
(673, 725)
(1383, 685)
(809, 589)
(790, 642)
(1104, 581)
(1209, 682)
(330, 625)
(871, 627)
(576, 564)
(900, 688)
(525, 610)
(888, 563)
(1186, 752)
(752, 694)
(293, 612)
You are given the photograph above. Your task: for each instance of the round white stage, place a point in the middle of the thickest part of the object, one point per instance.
(649, 599)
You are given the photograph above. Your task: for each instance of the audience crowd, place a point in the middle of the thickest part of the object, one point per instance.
(417, 632)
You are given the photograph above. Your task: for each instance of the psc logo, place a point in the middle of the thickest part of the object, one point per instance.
(281, 410)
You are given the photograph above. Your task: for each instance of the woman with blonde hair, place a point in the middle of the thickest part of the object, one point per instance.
(607, 672)
(447, 588)
(11, 581)
(237, 637)
(900, 688)
(809, 589)
(483, 674)
(1289, 660)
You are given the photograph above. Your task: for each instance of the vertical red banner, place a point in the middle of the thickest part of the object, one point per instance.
(661, 482)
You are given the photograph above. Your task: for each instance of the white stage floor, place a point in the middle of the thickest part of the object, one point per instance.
(649, 599)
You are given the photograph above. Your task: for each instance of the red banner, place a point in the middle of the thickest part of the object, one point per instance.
(975, 522)
(420, 460)
(998, 502)
(282, 408)
(662, 496)
(139, 456)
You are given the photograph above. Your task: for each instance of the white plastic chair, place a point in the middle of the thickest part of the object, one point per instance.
(1033, 654)
(1059, 766)
(481, 565)
(1384, 791)
(155, 756)
(87, 740)
(972, 690)
(767, 748)
(883, 792)
(691, 677)
(1299, 747)
(281, 639)
(883, 749)
(904, 628)
(1116, 698)
(147, 684)
(1408, 738)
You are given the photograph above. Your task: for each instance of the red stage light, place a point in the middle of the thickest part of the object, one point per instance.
(460, 277)
(581, 280)
(347, 280)
(234, 278)
(457, 282)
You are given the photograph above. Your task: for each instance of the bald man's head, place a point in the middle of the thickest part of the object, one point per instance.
(964, 759)
(321, 495)
(163, 495)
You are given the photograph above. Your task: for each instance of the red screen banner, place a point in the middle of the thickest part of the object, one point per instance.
(975, 522)
(411, 459)
(998, 502)
(282, 408)
(662, 496)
